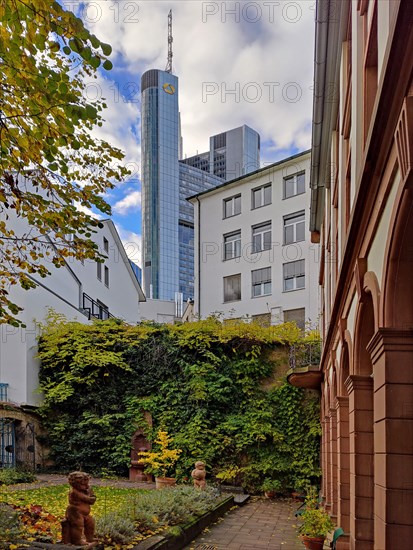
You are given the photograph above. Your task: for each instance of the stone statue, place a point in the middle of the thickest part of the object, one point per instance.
(199, 475)
(78, 527)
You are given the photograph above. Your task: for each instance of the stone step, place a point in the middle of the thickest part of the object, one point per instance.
(240, 500)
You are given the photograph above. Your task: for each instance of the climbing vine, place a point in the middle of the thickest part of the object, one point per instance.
(218, 389)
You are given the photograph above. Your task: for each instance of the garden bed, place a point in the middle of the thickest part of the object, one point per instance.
(166, 519)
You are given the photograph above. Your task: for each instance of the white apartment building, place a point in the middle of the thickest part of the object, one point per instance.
(81, 291)
(253, 255)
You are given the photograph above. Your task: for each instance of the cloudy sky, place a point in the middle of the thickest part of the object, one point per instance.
(237, 63)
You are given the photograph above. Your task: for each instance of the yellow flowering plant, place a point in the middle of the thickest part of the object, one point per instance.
(161, 462)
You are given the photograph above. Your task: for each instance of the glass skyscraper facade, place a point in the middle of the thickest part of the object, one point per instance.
(160, 184)
(167, 218)
(191, 181)
(231, 154)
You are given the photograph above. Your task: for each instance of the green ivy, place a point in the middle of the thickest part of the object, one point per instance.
(218, 389)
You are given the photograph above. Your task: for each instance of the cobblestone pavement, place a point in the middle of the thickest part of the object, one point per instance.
(260, 524)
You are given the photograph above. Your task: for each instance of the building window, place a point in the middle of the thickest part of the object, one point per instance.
(294, 228)
(105, 245)
(261, 282)
(99, 270)
(106, 276)
(232, 206)
(294, 275)
(261, 237)
(232, 245)
(295, 315)
(261, 196)
(232, 288)
(294, 185)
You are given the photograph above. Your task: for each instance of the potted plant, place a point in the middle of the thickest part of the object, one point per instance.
(271, 487)
(316, 524)
(161, 461)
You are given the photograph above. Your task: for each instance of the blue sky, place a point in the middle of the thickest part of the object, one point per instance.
(237, 63)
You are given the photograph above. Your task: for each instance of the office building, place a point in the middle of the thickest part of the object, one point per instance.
(253, 256)
(160, 184)
(231, 154)
(167, 219)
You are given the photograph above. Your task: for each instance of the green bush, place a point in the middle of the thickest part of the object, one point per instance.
(172, 506)
(11, 476)
(118, 528)
(9, 526)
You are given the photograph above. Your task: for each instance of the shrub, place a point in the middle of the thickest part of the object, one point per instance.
(11, 476)
(172, 506)
(115, 527)
(9, 526)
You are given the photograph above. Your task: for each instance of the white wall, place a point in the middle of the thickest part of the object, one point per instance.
(210, 268)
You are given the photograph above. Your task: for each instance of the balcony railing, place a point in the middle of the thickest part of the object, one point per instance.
(305, 355)
(91, 308)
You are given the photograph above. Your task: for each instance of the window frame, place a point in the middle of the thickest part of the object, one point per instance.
(262, 283)
(231, 200)
(261, 189)
(289, 217)
(105, 245)
(106, 276)
(226, 301)
(233, 245)
(295, 178)
(262, 239)
(294, 278)
(99, 271)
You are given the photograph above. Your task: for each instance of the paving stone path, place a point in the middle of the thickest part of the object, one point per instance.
(260, 524)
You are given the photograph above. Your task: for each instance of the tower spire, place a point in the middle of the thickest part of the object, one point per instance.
(170, 40)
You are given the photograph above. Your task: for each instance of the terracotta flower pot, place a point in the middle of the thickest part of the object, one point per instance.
(313, 543)
(162, 482)
(270, 494)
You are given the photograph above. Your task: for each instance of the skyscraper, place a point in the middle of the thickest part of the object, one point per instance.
(167, 219)
(231, 154)
(160, 183)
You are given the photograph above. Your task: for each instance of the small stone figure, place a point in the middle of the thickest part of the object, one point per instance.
(78, 521)
(199, 475)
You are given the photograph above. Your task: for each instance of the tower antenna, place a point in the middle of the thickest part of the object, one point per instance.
(170, 40)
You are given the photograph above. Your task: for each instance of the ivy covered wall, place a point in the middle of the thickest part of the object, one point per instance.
(218, 389)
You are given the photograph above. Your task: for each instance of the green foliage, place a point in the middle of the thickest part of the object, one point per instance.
(212, 386)
(172, 506)
(10, 529)
(161, 460)
(47, 57)
(11, 476)
(315, 523)
(116, 528)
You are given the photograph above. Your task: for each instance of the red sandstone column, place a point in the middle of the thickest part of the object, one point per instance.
(392, 356)
(361, 437)
(333, 463)
(327, 471)
(323, 459)
(343, 464)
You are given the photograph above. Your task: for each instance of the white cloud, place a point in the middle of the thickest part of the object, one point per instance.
(88, 211)
(130, 203)
(132, 243)
(264, 43)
